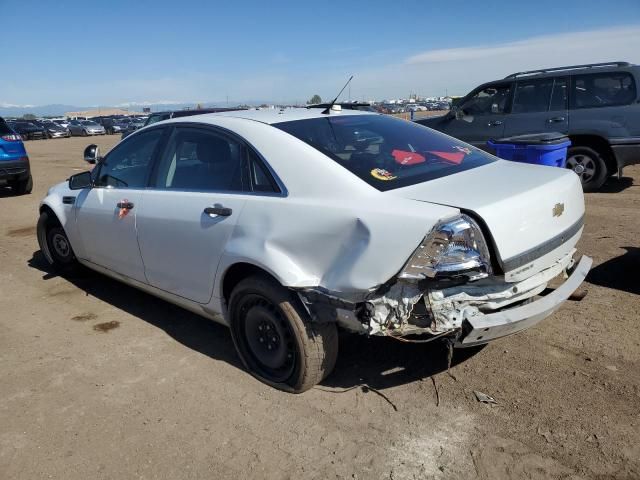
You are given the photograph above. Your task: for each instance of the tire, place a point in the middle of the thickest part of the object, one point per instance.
(298, 355)
(22, 187)
(54, 243)
(84, 133)
(589, 166)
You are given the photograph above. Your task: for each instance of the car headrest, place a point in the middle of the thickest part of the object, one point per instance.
(214, 151)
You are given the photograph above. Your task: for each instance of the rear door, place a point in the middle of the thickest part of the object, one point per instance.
(191, 209)
(539, 105)
(484, 116)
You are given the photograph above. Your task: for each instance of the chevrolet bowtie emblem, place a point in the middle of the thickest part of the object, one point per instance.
(558, 209)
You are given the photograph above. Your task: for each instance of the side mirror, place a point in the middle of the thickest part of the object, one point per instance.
(457, 112)
(80, 181)
(92, 154)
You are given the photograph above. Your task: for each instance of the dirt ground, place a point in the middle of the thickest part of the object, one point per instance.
(101, 381)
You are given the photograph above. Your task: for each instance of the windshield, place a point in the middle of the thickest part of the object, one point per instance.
(89, 123)
(386, 152)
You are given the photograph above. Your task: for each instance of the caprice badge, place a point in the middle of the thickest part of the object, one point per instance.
(558, 209)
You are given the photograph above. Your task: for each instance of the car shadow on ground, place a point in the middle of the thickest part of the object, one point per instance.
(381, 362)
(615, 185)
(372, 363)
(619, 272)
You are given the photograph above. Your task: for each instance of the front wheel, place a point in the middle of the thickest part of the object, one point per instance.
(84, 133)
(589, 166)
(275, 338)
(54, 243)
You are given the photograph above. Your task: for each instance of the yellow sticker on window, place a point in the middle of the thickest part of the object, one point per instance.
(382, 174)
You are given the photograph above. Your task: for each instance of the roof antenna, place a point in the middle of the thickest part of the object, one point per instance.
(328, 109)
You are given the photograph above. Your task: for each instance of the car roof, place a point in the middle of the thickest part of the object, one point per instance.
(272, 115)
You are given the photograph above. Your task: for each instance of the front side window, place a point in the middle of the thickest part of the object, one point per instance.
(532, 96)
(386, 152)
(603, 90)
(489, 100)
(200, 160)
(129, 164)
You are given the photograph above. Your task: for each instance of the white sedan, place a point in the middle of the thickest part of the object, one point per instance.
(285, 225)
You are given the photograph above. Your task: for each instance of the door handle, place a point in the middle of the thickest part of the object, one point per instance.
(555, 120)
(221, 211)
(125, 205)
(495, 123)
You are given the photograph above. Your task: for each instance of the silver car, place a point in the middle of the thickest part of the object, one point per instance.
(85, 127)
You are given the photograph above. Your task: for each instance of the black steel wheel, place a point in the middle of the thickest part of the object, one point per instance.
(54, 243)
(268, 337)
(276, 340)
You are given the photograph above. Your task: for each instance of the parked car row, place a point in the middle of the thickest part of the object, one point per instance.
(62, 128)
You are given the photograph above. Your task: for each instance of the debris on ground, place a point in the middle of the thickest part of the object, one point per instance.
(484, 398)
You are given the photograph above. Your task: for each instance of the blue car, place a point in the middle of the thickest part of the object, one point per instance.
(14, 162)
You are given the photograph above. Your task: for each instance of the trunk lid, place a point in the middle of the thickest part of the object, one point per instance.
(533, 213)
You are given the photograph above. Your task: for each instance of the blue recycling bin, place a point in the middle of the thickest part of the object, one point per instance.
(539, 148)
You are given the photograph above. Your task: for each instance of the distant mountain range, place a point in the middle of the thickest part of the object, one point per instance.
(8, 110)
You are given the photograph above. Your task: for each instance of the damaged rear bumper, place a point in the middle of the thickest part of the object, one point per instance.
(474, 312)
(485, 328)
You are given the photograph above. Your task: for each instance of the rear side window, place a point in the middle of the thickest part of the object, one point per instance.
(532, 96)
(603, 90)
(261, 179)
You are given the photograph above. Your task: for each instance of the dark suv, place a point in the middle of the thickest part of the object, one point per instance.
(596, 105)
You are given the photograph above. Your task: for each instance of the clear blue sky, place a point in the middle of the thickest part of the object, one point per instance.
(110, 52)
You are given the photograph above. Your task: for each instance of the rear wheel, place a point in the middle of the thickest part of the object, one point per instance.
(22, 187)
(54, 243)
(276, 339)
(589, 166)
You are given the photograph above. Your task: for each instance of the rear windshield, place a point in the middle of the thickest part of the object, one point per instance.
(386, 152)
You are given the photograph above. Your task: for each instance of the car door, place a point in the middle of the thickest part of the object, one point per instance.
(482, 116)
(191, 209)
(538, 106)
(106, 213)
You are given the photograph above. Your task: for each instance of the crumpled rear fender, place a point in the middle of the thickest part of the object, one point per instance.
(341, 245)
